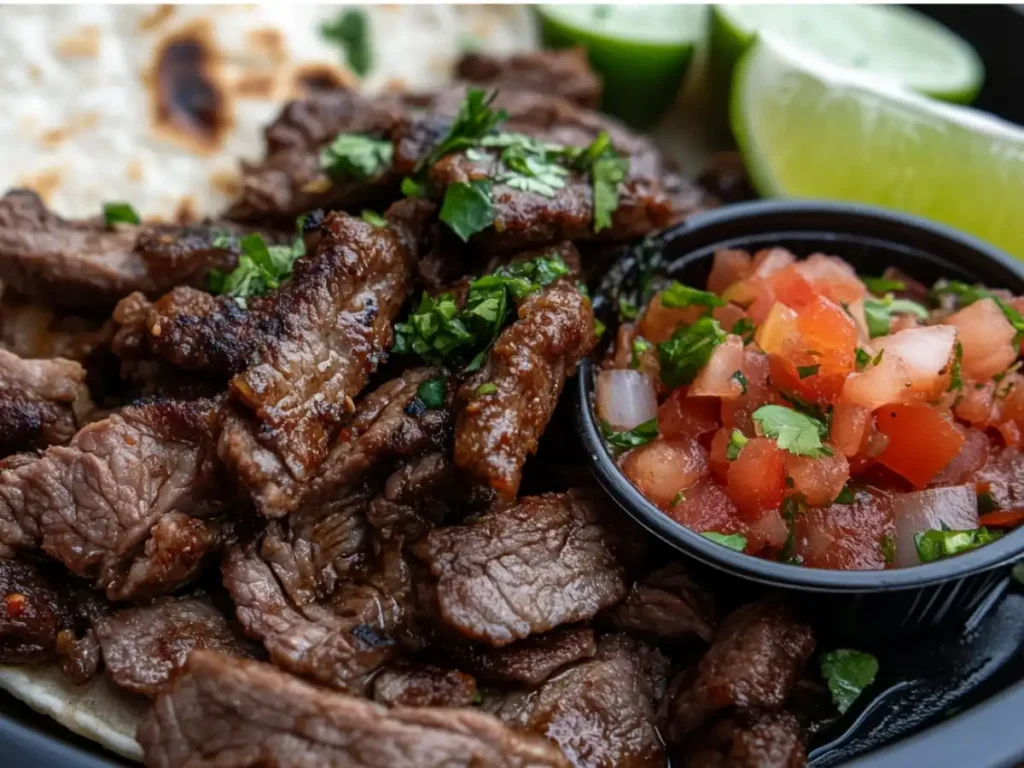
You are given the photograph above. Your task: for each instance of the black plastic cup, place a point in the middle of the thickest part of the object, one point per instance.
(873, 606)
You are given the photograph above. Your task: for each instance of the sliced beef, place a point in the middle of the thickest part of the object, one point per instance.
(129, 503)
(145, 646)
(232, 712)
(34, 330)
(290, 181)
(38, 402)
(85, 264)
(33, 611)
(417, 496)
(667, 604)
(530, 661)
(602, 713)
(750, 740)
(423, 686)
(527, 366)
(753, 663)
(548, 561)
(565, 73)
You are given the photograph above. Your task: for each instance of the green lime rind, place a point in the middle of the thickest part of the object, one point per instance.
(809, 129)
(892, 42)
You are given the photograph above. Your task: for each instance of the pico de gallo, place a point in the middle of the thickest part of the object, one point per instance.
(798, 411)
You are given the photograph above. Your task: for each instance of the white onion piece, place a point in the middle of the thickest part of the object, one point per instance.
(955, 507)
(924, 351)
(716, 378)
(625, 398)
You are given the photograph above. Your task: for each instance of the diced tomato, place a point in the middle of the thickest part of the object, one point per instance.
(825, 327)
(683, 416)
(819, 481)
(737, 412)
(1010, 433)
(833, 278)
(756, 480)
(973, 456)
(987, 339)
(659, 322)
(662, 468)
(791, 288)
(846, 536)
(887, 382)
(921, 441)
(768, 261)
(727, 267)
(925, 353)
(802, 375)
(975, 405)
(718, 454)
(706, 507)
(718, 378)
(769, 531)
(874, 445)
(777, 330)
(1003, 518)
(728, 315)
(755, 296)
(849, 427)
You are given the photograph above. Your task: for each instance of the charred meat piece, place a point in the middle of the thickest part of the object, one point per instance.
(417, 496)
(33, 611)
(33, 330)
(290, 180)
(526, 371)
(668, 605)
(529, 662)
(423, 686)
(602, 713)
(750, 740)
(564, 73)
(85, 264)
(753, 663)
(145, 646)
(38, 400)
(127, 503)
(548, 561)
(232, 712)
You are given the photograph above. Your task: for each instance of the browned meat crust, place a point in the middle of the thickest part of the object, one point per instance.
(230, 712)
(127, 503)
(289, 180)
(753, 663)
(565, 73)
(83, 264)
(528, 367)
(33, 330)
(667, 604)
(146, 646)
(548, 561)
(33, 611)
(529, 662)
(423, 686)
(750, 740)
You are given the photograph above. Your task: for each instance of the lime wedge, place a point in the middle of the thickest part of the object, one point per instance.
(810, 129)
(895, 43)
(641, 51)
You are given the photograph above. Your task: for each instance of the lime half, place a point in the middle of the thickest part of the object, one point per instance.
(641, 51)
(814, 130)
(898, 44)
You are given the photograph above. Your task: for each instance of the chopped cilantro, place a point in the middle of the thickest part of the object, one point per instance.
(736, 442)
(968, 294)
(640, 345)
(677, 296)
(791, 507)
(804, 371)
(413, 188)
(939, 544)
(432, 392)
(680, 495)
(887, 545)
(355, 157)
(688, 350)
(878, 313)
(846, 496)
(956, 382)
(475, 120)
(848, 673)
(119, 213)
(744, 328)
(351, 31)
(260, 267)
(623, 441)
(881, 286)
(627, 309)
(740, 379)
(599, 328)
(372, 217)
(467, 208)
(487, 388)
(531, 167)
(795, 432)
(863, 358)
(433, 331)
(606, 175)
(734, 541)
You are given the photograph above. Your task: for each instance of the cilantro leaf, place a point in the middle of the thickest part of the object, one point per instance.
(878, 313)
(881, 286)
(119, 213)
(374, 218)
(734, 541)
(848, 673)
(887, 546)
(795, 432)
(487, 388)
(806, 371)
(627, 309)
(688, 350)
(353, 156)
(474, 121)
(413, 188)
(260, 267)
(677, 296)
(939, 544)
(744, 328)
(618, 442)
(846, 496)
(467, 208)
(968, 294)
(433, 331)
(736, 442)
(351, 31)
(863, 358)
(640, 345)
(955, 378)
(606, 175)
(432, 392)
(599, 328)
(531, 168)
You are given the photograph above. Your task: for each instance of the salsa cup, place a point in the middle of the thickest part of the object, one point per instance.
(874, 606)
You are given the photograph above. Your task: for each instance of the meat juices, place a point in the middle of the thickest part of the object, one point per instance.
(225, 711)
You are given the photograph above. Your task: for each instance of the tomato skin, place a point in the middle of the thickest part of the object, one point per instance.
(819, 480)
(921, 441)
(682, 416)
(706, 507)
(662, 468)
(986, 337)
(845, 536)
(833, 278)
(727, 267)
(849, 427)
(790, 287)
(737, 412)
(975, 405)
(756, 479)
(659, 322)
(824, 326)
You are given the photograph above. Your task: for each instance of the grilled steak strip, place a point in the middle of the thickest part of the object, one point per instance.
(750, 740)
(127, 503)
(565, 73)
(528, 367)
(145, 646)
(84, 264)
(753, 663)
(423, 686)
(232, 712)
(548, 561)
(530, 661)
(37, 402)
(668, 605)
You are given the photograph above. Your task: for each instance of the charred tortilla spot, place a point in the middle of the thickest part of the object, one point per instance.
(155, 18)
(255, 86)
(321, 77)
(84, 43)
(268, 42)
